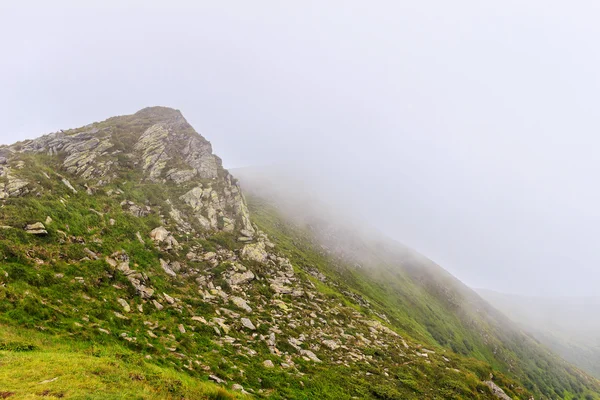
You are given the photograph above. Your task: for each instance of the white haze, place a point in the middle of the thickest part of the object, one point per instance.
(468, 130)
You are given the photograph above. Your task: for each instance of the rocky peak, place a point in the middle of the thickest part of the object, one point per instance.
(157, 143)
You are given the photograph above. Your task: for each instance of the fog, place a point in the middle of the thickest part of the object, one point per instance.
(467, 130)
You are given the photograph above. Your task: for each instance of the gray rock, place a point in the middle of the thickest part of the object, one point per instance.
(124, 304)
(166, 266)
(248, 324)
(331, 344)
(216, 379)
(497, 390)
(255, 252)
(240, 278)
(158, 306)
(241, 303)
(36, 229)
(310, 355)
(169, 299)
(159, 234)
(68, 184)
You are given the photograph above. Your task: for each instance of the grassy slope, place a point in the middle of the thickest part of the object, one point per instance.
(36, 365)
(420, 307)
(58, 319)
(62, 323)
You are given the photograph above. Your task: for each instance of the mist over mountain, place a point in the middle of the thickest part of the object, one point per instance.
(135, 265)
(295, 200)
(568, 325)
(466, 130)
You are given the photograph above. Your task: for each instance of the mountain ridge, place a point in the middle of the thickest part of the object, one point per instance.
(127, 239)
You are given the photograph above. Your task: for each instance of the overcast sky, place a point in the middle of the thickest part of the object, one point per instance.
(468, 130)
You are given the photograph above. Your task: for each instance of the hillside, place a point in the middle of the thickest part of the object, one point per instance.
(134, 267)
(564, 324)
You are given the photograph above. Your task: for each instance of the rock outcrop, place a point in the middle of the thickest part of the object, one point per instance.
(160, 144)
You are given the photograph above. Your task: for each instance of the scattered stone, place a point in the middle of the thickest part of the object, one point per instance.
(36, 229)
(331, 344)
(169, 299)
(119, 315)
(255, 252)
(91, 254)
(48, 381)
(310, 355)
(138, 235)
(68, 184)
(268, 364)
(181, 328)
(497, 390)
(248, 324)
(158, 306)
(216, 379)
(241, 303)
(241, 278)
(159, 234)
(166, 266)
(124, 304)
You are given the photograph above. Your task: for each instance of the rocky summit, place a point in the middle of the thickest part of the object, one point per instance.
(134, 267)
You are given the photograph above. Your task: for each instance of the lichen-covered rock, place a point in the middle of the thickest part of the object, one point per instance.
(159, 234)
(181, 176)
(240, 278)
(14, 187)
(255, 252)
(153, 146)
(241, 303)
(82, 150)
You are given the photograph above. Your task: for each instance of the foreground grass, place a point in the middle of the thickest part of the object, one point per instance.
(40, 368)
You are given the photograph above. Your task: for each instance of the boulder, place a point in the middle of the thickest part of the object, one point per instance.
(240, 278)
(159, 234)
(255, 252)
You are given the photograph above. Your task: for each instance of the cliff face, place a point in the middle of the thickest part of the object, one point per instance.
(158, 143)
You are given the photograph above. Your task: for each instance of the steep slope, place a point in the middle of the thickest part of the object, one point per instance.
(567, 325)
(131, 262)
(419, 297)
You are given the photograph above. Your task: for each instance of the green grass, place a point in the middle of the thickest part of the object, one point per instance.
(54, 326)
(54, 367)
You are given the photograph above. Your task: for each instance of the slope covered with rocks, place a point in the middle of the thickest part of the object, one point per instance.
(127, 242)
